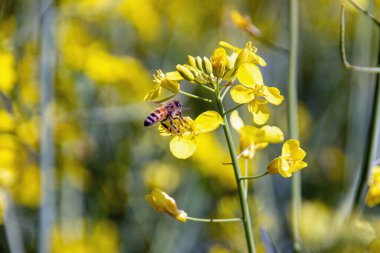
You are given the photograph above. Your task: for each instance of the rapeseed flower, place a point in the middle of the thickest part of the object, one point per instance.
(252, 138)
(373, 195)
(291, 159)
(184, 143)
(168, 81)
(162, 202)
(253, 92)
(244, 23)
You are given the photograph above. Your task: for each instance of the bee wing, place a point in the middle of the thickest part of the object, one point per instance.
(186, 108)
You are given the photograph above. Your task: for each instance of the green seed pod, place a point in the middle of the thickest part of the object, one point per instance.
(185, 72)
(207, 65)
(191, 61)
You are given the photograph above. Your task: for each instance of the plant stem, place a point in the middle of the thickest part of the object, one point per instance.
(211, 220)
(240, 184)
(293, 115)
(195, 96)
(370, 149)
(255, 177)
(233, 109)
(357, 6)
(245, 175)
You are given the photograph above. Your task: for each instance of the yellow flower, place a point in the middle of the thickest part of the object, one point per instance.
(245, 55)
(252, 138)
(290, 160)
(373, 195)
(184, 144)
(244, 23)
(162, 202)
(168, 81)
(8, 73)
(219, 61)
(253, 92)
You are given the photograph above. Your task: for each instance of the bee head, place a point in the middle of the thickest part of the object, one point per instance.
(177, 103)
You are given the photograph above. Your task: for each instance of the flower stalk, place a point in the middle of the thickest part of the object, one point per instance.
(246, 219)
(215, 220)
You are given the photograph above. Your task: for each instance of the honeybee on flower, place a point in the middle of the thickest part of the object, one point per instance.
(169, 111)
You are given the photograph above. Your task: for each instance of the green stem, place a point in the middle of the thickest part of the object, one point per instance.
(225, 91)
(240, 184)
(208, 88)
(195, 96)
(255, 177)
(233, 109)
(214, 220)
(370, 149)
(357, 6)
(246, 181)
(293, 115)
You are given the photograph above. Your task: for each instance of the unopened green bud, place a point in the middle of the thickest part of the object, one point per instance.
(207, 65)
(199, 63)
(191, 61)
(185, 72)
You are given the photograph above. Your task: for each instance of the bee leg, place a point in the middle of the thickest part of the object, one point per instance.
(172, 124)
(167, 127)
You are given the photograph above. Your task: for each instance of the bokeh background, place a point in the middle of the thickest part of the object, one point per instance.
(73, 75)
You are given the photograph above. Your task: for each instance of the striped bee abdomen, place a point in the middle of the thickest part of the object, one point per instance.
(154, 117)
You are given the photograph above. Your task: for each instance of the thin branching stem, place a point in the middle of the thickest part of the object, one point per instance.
(343, 48)
(246, 174)
(233, 109)
(211, 220)
(357, 6)
(225, 91)
(255, 177)
(293, 115)
(195, 96)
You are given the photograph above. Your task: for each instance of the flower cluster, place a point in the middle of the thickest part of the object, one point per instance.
(373, 195)
(237, 73)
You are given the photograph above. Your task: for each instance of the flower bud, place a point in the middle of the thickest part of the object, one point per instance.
(242, 58)
(191, 61)
(185, 72)
(219, 61)
(199, 63)
(207, 65)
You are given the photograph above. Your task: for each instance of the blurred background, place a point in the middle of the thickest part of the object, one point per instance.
(73, 75)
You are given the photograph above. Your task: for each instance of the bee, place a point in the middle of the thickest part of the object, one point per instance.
(169, 111)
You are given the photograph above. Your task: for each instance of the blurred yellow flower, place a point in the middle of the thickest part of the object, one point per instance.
(252, 138)
(373, 195)
(244, 23)
(253, 91)
(168, 81)
(8, 73)
(28, 132)
(184, 144)
(30, 180)
(290, 160)
(7, 121)
(162, 202)
(158, 174)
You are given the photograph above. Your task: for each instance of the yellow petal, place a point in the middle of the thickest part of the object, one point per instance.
(298, 166)
(279, 166)
(250, 75)
(174, 76)
(229, 46)
(272, 134)
(291, 150)
(183, 146)
(241, 94)
(259, 111)
(207, 122)
(170, 85)
(255, 59)
(153, 93)
(273, 95)
(236, 122)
